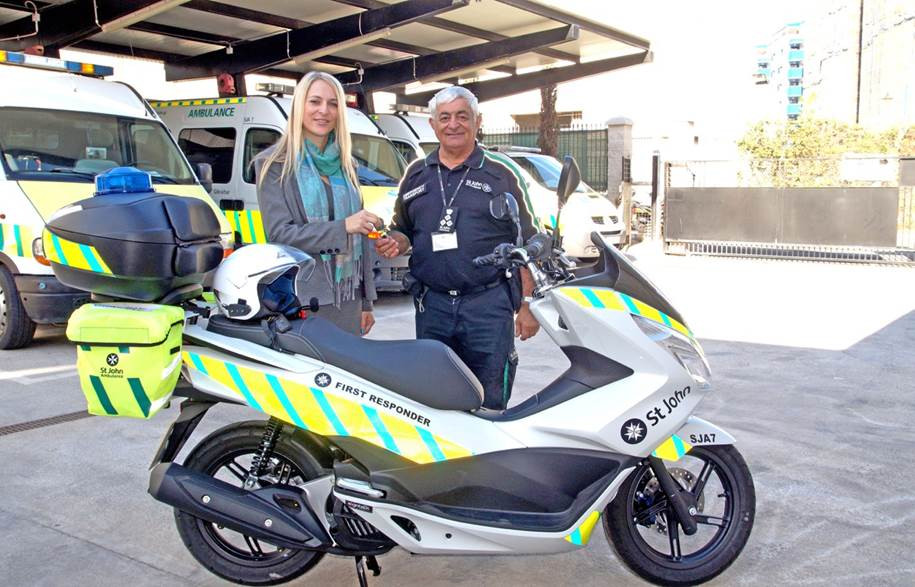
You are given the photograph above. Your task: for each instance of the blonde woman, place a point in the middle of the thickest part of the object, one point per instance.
(309, 198)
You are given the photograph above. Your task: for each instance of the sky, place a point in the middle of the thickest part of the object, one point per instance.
(703, 57)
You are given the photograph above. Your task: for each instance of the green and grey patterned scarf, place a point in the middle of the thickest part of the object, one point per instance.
(347, 266)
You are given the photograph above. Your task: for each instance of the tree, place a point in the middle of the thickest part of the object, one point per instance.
(548, 140)
(807, 152)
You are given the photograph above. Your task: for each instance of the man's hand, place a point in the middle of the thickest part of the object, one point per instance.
(392, 245)
(526, 325)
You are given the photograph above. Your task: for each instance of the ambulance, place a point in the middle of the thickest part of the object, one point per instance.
(228, 133)
(61, 124)
(409, 129)
(586, 211)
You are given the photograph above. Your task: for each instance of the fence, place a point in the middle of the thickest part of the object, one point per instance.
(848, 171)
(587, 143)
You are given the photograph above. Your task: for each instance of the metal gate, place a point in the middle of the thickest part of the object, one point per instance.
(864, 213)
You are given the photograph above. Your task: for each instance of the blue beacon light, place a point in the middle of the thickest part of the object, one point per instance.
(123, 180)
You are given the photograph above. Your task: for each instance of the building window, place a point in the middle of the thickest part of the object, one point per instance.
(215, 146)
(256, 140)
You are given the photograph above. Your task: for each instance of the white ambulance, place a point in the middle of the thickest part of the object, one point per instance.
(60, 125)
(586, 211)
(228, 133)
(408, 128)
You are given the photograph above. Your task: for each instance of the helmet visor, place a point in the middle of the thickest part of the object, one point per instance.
(278, 296)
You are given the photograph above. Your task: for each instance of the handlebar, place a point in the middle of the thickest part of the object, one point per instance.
(506, 254)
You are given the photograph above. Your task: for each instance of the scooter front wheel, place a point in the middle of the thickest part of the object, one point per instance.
(644, 530)
(226, 454)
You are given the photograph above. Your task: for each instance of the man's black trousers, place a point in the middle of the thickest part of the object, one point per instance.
(478, 327)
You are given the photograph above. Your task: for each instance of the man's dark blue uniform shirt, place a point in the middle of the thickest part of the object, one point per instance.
(419, 208)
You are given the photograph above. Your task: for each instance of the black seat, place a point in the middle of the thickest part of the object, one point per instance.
(426, 371)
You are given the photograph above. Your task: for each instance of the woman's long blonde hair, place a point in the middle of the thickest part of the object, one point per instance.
(289, 147)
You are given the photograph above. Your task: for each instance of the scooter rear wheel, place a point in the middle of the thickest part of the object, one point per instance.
(226, 454)
(644, 531)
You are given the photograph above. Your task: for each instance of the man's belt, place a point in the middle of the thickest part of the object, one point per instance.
(456, 293)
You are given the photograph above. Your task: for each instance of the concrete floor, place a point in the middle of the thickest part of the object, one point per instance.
(813, 365)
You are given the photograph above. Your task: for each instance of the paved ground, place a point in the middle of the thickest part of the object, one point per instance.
(814, 368)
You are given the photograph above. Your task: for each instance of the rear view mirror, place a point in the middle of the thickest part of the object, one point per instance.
(504, 206)
(205, 175)
(568, 179)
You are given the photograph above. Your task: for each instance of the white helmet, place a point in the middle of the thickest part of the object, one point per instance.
(257, 280)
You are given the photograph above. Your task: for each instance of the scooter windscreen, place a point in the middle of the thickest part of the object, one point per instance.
(613, 269)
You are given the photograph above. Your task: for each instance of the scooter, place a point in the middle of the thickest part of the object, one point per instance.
(375, 444)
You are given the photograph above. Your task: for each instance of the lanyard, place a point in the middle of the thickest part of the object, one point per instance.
(441, 186)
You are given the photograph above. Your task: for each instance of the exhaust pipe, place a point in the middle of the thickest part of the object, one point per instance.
(278, 515)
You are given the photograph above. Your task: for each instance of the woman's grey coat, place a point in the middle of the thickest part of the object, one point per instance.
(285, 222)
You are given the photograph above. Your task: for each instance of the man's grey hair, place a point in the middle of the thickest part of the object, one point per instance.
(451, 94)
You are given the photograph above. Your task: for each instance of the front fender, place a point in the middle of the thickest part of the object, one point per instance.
(694, 432)
(699, 432)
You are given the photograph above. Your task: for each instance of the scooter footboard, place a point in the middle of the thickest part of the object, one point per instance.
(699, 432)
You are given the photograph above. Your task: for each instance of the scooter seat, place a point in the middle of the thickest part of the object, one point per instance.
(426, 371)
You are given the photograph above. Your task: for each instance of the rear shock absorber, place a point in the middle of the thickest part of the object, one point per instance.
(261, 458)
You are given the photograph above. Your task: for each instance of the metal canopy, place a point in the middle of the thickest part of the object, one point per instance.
(495, 47)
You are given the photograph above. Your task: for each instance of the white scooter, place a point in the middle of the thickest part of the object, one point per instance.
(377, 444)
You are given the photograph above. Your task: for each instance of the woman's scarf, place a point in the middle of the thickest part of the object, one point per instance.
(345, 274)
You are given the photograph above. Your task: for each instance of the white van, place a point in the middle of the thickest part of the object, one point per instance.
(585, 211)
(228, 133)
(57, 131)
(409, 131)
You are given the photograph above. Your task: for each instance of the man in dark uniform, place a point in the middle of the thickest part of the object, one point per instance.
(442, 211)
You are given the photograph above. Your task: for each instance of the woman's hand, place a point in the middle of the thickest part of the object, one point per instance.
(368, 320)
(362, 222)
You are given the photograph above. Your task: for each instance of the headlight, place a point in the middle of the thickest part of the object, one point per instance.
(686, 351)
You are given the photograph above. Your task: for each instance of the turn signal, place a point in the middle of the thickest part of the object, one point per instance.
(38, 252)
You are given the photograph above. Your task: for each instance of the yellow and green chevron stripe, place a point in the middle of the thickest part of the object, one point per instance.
(248, 224)
(202, 102)
(324, 413)
(581, 535)
(672, 449)
(16, 239)
(77, 255)
(607, 299)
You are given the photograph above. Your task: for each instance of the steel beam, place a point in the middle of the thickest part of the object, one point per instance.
(240, 13)
(387, 75)
(74, 21)
(499, 88)
(99, 47)
(463, 29)
(583, 23)
(282, 47)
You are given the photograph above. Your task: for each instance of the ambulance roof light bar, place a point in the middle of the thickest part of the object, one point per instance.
(272, 89)
(404, 108)
(52, 64)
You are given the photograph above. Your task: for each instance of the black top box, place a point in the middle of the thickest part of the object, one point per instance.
(133, 246)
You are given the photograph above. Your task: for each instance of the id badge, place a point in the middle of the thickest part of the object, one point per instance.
(444, 241)
(448, 221)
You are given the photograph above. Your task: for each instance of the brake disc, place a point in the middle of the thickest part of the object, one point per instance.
(687, 480)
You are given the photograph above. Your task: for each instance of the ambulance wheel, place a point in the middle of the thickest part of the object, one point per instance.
(226, 454)
(645, 532)
(16, 328)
